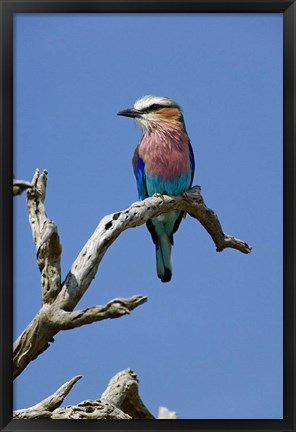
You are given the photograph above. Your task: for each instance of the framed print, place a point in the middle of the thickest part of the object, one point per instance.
(174, 115)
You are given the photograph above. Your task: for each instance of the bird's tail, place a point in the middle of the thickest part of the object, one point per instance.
(163, 258)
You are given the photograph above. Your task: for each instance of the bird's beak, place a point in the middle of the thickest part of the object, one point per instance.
(131, 112)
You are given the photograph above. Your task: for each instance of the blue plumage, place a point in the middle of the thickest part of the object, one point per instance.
(163, 163)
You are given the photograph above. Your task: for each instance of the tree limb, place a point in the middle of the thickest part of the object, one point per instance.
(19, 186)
(50, 319)
(113, 309)
(86, 264)
(59, 299)
(123, 392)
(46, 239)
(120, 400)
(90, 410)
(44, 408)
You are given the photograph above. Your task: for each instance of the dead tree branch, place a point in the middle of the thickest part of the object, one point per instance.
(120, 400)
(44, 408)
(19, 186)
(123, 392)
(46, 239)
(59, 299)
(56, 312)
(90, 410)
(50, 319)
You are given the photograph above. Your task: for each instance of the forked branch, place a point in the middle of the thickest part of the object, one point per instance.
(60, 298)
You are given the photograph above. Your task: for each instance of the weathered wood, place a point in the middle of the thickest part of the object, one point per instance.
(60, 298)
(56, 312)
(90, 410)
(123, 392)
(120, 400)
(46, 239)
(86, 264)
(19, 186)
(50, 319)
(44, 408)
(113, 309)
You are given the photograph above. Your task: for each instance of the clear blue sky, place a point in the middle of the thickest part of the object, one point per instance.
(208, 344)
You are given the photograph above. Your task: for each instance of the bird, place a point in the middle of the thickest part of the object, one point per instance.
(164, 164)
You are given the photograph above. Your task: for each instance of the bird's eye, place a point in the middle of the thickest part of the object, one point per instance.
(152, 107)
(155, 107)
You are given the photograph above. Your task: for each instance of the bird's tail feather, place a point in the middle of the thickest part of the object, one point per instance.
(163, 258)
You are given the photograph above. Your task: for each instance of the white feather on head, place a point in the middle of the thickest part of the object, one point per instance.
(146, 101)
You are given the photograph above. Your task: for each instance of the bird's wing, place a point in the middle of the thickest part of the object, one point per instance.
(139, 170)
(192, 161)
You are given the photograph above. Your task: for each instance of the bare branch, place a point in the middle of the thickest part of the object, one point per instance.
(86, 264)
(123, 392)
(44, 408)
(90, 410)
(27, 414)
(120, 400)
(113, 309)
(84, 410)
(59, 299)
(38, 335)
(46, 239)
(34, 340)
(208, 218)
(19, 186)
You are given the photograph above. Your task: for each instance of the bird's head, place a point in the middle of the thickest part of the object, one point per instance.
(153, 113)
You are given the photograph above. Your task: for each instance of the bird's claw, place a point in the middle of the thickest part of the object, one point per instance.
(158, 195)
(195, 189)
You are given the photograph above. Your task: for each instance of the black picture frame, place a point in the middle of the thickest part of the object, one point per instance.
(8, 8)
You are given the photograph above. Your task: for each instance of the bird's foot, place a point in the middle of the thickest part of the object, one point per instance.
(159, 195)
(195, 189)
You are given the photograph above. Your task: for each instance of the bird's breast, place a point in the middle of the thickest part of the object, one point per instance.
(165, 155)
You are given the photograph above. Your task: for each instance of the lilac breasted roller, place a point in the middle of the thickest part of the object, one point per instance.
(163, 163)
